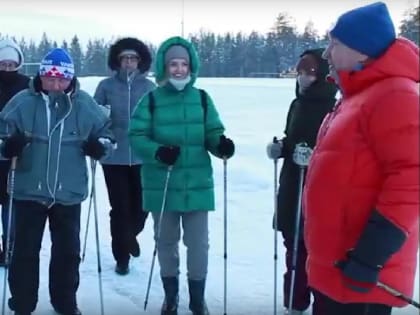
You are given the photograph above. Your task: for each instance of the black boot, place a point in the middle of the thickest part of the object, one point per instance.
(170, 304)
(197, 302)
(122, 268)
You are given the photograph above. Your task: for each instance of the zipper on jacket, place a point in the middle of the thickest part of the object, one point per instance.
(129, 114)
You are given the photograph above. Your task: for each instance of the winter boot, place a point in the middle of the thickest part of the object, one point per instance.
(197, 303)
(170, 304)
(122, 268)
(134, 247)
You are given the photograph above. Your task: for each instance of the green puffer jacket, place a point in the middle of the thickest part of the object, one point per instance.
(177, 119)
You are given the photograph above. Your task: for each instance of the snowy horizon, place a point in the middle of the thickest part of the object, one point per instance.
(253, 111)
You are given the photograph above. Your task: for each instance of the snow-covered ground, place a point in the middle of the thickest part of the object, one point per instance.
(253, 111)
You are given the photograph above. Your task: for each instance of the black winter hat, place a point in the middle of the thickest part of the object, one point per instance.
(129, 43)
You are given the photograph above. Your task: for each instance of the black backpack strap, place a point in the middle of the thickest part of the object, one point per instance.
(203, 96)
(151, 103)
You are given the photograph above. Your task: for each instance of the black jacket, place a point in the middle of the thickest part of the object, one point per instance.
(304, 118)
(11, 83)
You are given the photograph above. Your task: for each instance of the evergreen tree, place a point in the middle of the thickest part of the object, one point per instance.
(76, 54)
(44, 46)
(410, 25)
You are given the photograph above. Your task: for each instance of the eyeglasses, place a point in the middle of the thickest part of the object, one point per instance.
(8, 65)
(129, 58)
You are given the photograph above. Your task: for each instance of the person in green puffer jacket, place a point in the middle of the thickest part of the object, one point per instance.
(176, 132)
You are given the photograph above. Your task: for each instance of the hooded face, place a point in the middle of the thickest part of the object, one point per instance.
(178, 68)
(10, 56)
(307, 69)
(129, 60)
(8, 65)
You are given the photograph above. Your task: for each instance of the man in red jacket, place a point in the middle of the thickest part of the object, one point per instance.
(361, 200)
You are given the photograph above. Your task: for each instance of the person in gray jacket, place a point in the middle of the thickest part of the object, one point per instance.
(49, 129)
(130, 59)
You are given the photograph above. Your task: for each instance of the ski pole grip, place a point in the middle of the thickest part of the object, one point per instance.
(13, 164)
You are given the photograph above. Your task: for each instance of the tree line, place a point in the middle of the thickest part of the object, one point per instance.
(221, 55)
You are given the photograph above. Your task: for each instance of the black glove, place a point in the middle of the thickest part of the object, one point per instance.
(13, 146)
(226, 147)
(167, 154)
(358, 276)
(379, 240)
(93, 148)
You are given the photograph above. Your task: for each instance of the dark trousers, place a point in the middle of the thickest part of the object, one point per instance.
(334, 308)
(64, 223)
(4, 201)
(302, 293)
(127, 216)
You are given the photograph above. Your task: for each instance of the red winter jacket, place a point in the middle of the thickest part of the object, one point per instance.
(366, 158)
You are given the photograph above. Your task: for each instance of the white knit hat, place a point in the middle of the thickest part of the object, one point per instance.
(9, 50)
(10, 54)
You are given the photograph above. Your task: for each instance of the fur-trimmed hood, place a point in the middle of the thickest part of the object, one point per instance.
(132, 44)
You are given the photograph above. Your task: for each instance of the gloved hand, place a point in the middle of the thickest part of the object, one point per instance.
(275, 149)
(94, 148)
(302, 154)
(358, 276)
(226, 147)
(380, 239)
(167, 154)
(13, 146)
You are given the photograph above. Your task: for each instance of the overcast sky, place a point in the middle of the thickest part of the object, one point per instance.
(155, 20)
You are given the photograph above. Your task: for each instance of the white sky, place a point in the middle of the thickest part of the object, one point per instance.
(155, 20)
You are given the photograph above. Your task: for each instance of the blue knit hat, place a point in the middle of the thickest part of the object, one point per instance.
(57, 63)
(368, 29)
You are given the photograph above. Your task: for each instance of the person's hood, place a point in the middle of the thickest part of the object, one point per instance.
(129, 43)
(160, 74)
(10, 43)
(320, 89)
(400, 60)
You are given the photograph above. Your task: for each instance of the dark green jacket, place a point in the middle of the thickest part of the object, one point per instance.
(177, 119)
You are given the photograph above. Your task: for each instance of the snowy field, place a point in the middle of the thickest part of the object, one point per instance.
(253, 111)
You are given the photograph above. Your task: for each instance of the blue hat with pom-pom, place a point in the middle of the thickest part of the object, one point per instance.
(57, 63)
(368, 29)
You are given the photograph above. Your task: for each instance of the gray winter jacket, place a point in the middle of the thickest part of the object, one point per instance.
(122, 93)
(52, 167)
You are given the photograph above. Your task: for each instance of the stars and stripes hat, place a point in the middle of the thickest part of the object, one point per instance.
(57, 63)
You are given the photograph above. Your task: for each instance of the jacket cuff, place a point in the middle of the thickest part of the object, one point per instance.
(378, 242)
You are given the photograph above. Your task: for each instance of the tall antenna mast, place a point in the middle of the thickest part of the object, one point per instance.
(182, 19)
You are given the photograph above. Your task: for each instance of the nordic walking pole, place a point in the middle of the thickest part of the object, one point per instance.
(301, 157)
(11, 183)
(225, 234)
(162, 209)
(87, 225)
(398, 294)
(98, 253)
(275, 161)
